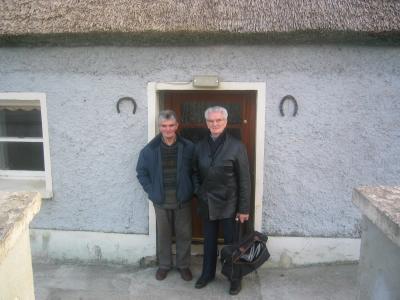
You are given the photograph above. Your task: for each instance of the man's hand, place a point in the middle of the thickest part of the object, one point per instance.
(242, 217)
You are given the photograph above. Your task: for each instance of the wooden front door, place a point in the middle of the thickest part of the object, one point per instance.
(190, 106)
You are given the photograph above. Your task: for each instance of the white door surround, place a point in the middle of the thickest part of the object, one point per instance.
(153, 92)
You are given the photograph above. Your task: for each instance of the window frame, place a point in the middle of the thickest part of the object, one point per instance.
(24, 100)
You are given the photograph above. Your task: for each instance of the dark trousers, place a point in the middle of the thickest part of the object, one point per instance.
(180, 221)
(210, 229)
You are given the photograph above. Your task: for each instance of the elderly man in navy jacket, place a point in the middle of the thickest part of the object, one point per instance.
(164, 171)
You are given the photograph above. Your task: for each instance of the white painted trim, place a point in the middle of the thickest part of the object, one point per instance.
(18, 97)
(259, 163)
(46, 145)
(29, 99)
(23, 174)
(86, 246)
(153, 90)
(299, 251)
(152, 111)
(21, 140)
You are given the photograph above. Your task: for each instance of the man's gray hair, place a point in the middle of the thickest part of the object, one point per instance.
(166, 115)
(219, 109)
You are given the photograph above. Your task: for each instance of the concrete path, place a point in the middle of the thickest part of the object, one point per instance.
(84, 282)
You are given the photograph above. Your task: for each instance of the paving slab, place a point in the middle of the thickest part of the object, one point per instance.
(329, 282)
(86, 282)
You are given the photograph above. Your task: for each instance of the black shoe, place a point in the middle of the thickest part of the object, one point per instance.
(236, 286)
(202, 282)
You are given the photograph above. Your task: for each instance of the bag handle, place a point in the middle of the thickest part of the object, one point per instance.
(238, 234)
(241, 231)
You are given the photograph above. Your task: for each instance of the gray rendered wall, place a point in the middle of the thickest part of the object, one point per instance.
(346, 134)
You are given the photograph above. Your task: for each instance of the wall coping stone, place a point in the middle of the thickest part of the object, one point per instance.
(381, 205)
(17, 210)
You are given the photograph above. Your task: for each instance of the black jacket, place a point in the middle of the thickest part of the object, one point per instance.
(150, 175)
(222, 183)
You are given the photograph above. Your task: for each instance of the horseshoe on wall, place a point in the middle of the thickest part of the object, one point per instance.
(288, 97)
(127, 99)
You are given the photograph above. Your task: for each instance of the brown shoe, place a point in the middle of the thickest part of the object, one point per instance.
(186, 274)
(161, 274)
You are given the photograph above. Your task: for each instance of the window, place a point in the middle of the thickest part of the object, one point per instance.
(24, 145)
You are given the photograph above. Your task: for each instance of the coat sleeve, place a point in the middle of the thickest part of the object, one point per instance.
(244, 182)
(142, 172)
(195, 172)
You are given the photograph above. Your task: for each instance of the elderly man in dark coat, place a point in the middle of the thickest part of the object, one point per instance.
(164, 170)
(222, 184)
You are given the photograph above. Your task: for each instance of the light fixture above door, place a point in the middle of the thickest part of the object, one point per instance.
(203, 81)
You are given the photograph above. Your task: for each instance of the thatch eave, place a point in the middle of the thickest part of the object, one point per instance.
(185, 38)
(185, 20)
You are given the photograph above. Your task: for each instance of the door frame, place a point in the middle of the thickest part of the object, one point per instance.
(153, 108)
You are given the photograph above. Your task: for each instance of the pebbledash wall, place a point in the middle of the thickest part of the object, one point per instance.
(346, 134)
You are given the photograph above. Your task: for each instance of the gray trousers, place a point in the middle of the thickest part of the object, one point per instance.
(179, 220)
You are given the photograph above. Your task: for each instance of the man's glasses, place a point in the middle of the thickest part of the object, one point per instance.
(215, 121)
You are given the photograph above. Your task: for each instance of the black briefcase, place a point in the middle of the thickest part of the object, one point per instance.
(244, 256)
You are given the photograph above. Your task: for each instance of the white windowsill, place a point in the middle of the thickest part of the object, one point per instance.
(25, 185)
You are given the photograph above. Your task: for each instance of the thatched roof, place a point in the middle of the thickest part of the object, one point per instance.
(30, 17)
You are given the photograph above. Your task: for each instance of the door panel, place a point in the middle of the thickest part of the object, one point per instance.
(190, 106)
